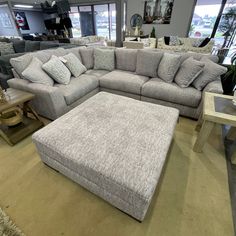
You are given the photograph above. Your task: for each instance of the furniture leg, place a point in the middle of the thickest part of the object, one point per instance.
(203, 135)
(231, 135)
(199, 123)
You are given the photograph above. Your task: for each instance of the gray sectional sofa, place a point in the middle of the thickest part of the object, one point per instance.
(54, 101)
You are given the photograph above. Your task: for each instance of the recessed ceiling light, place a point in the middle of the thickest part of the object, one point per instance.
(23, 6)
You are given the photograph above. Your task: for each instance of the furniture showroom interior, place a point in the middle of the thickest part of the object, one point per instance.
(117, 118)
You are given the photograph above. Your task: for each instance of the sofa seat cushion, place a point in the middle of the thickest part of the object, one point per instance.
(78, 87)
(171, 92)
(97, 73)
(125, 81)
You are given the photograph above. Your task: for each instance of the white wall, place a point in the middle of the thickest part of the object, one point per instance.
(180, 21)
(12, 31)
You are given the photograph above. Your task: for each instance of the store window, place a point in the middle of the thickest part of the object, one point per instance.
(204, 22)
(99, 19)
(75, 19)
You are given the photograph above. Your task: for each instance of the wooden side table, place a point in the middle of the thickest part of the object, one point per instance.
(217, 109)
(13, 135)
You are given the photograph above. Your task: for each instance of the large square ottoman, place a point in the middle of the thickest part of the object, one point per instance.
(113, 146)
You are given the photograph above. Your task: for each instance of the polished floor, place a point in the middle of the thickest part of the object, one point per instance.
(192, 199)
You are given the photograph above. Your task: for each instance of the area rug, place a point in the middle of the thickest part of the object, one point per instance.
(7, 227)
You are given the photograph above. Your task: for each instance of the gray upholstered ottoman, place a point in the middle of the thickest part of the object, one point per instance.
(113, 146)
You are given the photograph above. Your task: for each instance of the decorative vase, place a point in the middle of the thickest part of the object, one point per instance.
(136, 32)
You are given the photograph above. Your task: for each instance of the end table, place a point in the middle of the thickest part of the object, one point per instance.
(217, 109)
(14, 134)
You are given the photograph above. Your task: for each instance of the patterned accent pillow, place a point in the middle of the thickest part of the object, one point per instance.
(35, 73)
(6, 48)
(174, 41)
(197, 42)
(188, 72)
(168, 67)
(57, 70)
(104, 59)
(73, 64)
(211, 72)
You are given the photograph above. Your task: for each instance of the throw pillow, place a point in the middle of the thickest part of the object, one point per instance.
(211, 72)
(73, 64)
(57, 70)
(148, 62)
(31, 46)
(6, 48)
(20, 63)
(188, 72)
(197, 42)
(35, 73)
(104, 59)
(168, 67)
(87, 57)
(174, 41)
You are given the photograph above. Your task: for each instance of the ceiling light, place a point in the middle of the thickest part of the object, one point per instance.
(23, 6)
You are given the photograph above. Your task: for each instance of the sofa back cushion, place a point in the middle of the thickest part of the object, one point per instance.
(168, 67)
(31, 46)
(20, 63)
(75, 51)
(126, 59)
(19, 46)
(148, 62)
(87, 57)
(45, 55)
(104, 59)
(186, 55)
(48, 44)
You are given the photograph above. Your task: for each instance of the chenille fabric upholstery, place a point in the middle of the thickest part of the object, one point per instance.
(126, 59)
(124, 81)
(108, 146)
(171, 92)
(78, 87)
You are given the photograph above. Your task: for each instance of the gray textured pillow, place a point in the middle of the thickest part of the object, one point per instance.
(104, 59)
(211, 72)
(147, 62)
(6, 48)
(168, 67)
(87, 57)
(188, 72)
(57, 70)
(73, 64)
(35, 73)
(20, 63)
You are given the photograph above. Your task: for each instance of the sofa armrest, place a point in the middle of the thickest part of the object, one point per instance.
(214, 87)
(48, 102)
